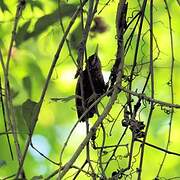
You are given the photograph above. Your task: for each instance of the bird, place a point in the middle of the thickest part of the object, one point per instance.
(93, 86)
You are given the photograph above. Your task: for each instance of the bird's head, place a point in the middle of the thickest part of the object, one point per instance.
(94, 62)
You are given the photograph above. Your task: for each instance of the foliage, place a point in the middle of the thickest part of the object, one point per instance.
(43, 45)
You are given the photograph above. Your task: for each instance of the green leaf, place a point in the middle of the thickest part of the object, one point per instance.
(76, 36)
(2, 163)
(34, 4)
(44, 22)
(22, 33)
(2, 45)
(35, 70)
(21, 125)
(29, 107)
(3, 6)
(27, 85)
(47, 20)
(37, 177)
(14, 93)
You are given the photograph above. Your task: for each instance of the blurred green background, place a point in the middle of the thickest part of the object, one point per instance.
(39, 33)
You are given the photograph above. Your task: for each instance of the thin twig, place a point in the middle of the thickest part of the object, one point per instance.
(20, 7)
(44, 155)
(5, 123)
(87, 173)
(136, 51)
(8, 107)
(86, 30)
(52, 175)
(159, 148)
(56, 57)
(149, 99)
(97, 123)
(62, 27)
(90, 134)
(83, 115)
(101, 151)
(115, 149)
(106, 4)
(152, 91)
(111, 146)
(120, 23)
(8, 177)
(8, 98)
(80, 169)
(171, 86)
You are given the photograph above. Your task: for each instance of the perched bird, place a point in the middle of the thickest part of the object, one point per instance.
(93, 86)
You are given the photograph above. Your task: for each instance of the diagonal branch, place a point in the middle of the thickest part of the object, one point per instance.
(56, 57)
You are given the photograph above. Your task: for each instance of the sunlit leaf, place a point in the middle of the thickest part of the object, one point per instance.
(76, 36)
(2, 45)
(34, 4)
(14, 93)
(3, 6)
(35, 69)
(22, 33)
(47, 20)
(44, 22)
(27, 85)
(21, 125)
(28, 110)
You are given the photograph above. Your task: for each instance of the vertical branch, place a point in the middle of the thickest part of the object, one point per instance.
(85, 33)
(118, 67)
(171, 85)
(142, 12)
(55, 59)
(79, 170)
(101, 117)
(155, 40)
(120, 27)
(116, 148)
(20, 7)
(8, 99)
(92, 130)
(4, 117)
(136, 52)
(152, 91)
(63, 30)
(65, 144)
(101, 151)
(130, 38)
(81, 51)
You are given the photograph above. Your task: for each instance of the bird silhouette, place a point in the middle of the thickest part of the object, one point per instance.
(93, 86)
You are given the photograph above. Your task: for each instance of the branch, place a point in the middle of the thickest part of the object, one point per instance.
(90, 134)
(171, 85)
(151, 70)
(56, 57)
(149, 99)
(8, 98)
(100, 118)
(159, 148)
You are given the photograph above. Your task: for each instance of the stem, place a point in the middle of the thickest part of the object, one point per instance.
(171, 87)
(152, 91)
(56, 57)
